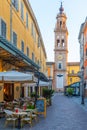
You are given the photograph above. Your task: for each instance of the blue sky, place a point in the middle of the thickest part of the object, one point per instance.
(46, 12)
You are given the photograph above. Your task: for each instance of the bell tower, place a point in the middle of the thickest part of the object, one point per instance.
(60, 51)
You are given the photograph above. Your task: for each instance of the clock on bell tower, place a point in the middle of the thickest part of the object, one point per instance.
(60, 51)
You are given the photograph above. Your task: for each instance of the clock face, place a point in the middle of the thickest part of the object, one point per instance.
(60, 57)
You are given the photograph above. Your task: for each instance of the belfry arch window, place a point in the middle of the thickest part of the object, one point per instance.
(58, 42)
(63, 44)
(63, 24)
(60, 23)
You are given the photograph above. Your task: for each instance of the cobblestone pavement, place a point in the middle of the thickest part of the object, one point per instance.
(65, 114)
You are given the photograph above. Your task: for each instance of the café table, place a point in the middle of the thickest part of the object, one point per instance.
(19, 114)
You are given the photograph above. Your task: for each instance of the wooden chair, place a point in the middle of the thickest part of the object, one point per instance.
(27, 119)
(10, 118)
(34, 115)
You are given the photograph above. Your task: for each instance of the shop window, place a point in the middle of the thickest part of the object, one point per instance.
(3, 28)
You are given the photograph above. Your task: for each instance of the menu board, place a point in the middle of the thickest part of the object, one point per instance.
(41, 106)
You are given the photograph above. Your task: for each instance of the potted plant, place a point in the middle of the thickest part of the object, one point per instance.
(69, 91)
(48, 93)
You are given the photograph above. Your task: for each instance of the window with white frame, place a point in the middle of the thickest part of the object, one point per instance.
(22, 11)
(22, 46)
(3, 28)
(15, 4)
(27, 19)
(14, 39)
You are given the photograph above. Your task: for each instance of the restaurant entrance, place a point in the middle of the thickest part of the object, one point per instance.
(8, 91)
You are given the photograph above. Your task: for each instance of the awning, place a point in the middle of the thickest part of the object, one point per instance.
(41, 76)
(15, 76)
(12, 55)
(42, 83)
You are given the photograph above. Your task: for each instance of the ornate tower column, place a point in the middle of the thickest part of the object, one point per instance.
(60, 51)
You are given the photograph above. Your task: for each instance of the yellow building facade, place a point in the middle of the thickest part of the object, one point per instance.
(22, 30)
(19, 28)
(72, 70)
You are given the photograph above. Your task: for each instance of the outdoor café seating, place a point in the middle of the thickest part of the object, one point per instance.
(10, 118)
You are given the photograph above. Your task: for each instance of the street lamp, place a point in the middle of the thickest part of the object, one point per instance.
(82, 101)
(37, 86)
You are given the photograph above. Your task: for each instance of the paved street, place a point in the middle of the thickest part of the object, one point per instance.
(66, 113)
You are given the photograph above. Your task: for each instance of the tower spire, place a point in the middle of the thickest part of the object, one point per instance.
(61, 9)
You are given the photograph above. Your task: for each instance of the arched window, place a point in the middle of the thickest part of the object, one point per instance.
(58, 42)
(63, 24)
(60, 23)
(63, 44)
(60, 65)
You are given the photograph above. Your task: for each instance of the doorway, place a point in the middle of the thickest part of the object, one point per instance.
(8, 91)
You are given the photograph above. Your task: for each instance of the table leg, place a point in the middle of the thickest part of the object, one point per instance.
(19, 122)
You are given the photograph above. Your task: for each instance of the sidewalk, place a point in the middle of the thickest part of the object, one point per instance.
(78, 100)
(64, 114)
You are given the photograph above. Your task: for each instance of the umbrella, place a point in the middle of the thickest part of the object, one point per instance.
(15, 76)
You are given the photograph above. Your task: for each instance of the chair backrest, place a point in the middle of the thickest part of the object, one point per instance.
(8, 112)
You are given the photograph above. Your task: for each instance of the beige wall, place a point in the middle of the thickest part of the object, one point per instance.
(16, 90)
(1, 92)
